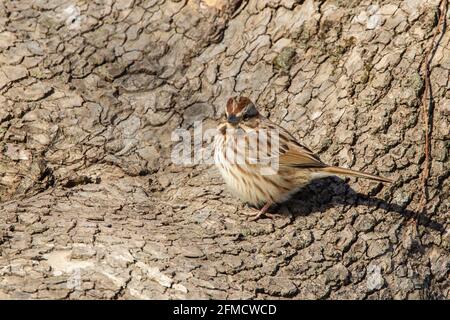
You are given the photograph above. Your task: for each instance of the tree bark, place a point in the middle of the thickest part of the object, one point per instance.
(92, 205)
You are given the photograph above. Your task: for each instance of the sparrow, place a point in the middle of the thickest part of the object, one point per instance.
(246, 143)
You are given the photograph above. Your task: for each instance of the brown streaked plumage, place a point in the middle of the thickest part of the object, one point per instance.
(242, 152)
(236, 106)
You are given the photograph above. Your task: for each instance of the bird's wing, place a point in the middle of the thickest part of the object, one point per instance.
(289, 152)
(293, 154)
(300, 157)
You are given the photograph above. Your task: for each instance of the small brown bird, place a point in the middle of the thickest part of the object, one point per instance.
(247, 145)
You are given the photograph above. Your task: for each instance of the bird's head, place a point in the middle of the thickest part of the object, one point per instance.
(240, 109)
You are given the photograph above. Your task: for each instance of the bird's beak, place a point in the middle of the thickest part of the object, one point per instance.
(232, 119)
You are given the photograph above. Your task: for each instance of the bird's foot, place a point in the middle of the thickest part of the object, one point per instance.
(263, 212)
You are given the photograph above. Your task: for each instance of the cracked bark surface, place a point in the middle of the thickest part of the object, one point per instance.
(92, 206)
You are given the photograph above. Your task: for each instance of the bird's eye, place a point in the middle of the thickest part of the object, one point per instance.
(250, 112)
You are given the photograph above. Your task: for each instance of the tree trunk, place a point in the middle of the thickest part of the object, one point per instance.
(92, 205)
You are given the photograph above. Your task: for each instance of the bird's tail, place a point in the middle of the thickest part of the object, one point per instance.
(347, 172)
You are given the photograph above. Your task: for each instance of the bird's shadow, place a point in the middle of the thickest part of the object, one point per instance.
(325, 193)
